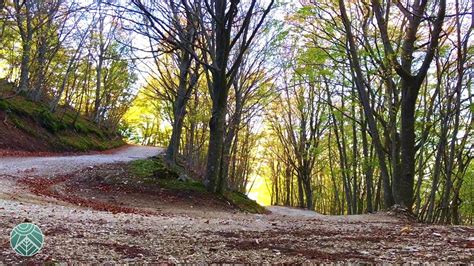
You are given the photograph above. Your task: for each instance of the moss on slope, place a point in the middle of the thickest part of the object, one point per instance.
(37, 129)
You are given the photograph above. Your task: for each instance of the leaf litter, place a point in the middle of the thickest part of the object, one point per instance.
(85, 219)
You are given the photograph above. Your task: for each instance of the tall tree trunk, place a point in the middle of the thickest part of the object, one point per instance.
(98, 87)
(100, 62)
(173, 147)
(308, 188)
(364, 97)
(437, 167)
(367, 167)
(25, 64)
(344, 170)
(180, 104)
(40, 79)
(289, 184)
(55, 102)
(24, 23)
(410, 85)
(219, 95)
(461, 57)
(355, 158)
(403, 185)
(216, 131)
(229, 139)
(301, 201)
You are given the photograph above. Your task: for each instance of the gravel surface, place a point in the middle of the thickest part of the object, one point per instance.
(293, 212)
(77, 234)
(66, 164)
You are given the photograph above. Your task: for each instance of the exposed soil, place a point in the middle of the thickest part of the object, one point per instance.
(110, 187)
(13, 139)
(87, 215)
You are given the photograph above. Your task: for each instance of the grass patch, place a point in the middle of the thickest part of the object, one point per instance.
(4, 106)
(22, 106)
(175, 184)
(87, 143)
(155, 171)
(145, 168)
(50, 121)
(78, 143)
(154, 168)
(242, 202)
(23, 125)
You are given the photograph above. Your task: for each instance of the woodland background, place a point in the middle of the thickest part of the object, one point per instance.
(343, 107)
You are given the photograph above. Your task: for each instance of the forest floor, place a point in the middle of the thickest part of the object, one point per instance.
(86, 219)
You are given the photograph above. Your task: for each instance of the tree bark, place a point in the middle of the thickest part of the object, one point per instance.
(216, 130)
(367, 168)
(26, 34)
(184, 90)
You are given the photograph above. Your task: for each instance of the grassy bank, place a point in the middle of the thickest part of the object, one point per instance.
(31, 126)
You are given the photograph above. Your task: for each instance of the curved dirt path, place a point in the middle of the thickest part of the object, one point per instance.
(75, 234)
(14, 166)
(292, 212)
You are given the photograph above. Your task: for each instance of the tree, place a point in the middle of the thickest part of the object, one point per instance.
(229, 28)
(410, 85)
(173, 21)
(24, 20)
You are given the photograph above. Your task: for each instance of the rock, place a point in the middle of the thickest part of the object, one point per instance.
(173, 260)
(411, 249)
(214, 249)
(401, 212)
(183, 178)
(405, 230)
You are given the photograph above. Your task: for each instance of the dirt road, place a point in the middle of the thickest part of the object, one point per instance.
(63, 164)
(174, 234)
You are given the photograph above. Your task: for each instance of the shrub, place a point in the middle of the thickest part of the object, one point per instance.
(4, 106)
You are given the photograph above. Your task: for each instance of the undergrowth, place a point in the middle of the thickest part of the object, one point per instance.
(243, 202)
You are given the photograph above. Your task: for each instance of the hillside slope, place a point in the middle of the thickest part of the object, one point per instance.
(29, 126)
